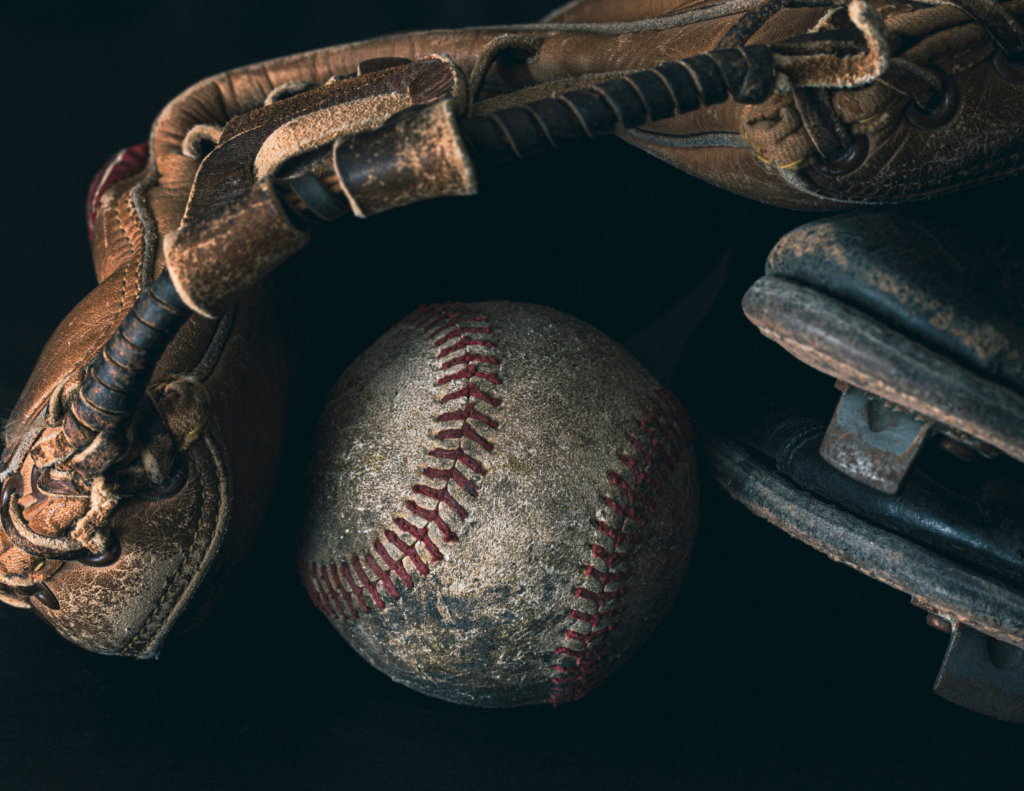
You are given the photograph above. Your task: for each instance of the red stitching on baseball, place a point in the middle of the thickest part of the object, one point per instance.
(472, 390)
(462, 344)
(460, 456)
(392, 564)
(452, 328)
(409, 552)
(590, 637)
(441, 495)
(625, 511)
(632, 494)
(469, 357)
(666, 428)
(605, 577)
(433, 516)
(321, 593)
(335, 592)
(452, 474)
(469, 413)
(361, 573)
(465, 432)
(389, 586)
(469, 373)
(352, 586)
(314, 593)
(457, 332)
(420, 534)
(599, 598)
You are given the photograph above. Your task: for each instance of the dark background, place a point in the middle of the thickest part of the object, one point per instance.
(776, 668)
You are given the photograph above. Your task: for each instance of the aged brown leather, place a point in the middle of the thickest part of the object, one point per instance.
(236, 228)
(212, 261)
(220, 411)
(167, 546)
(213, 417)
(737, 147)
(903, 162)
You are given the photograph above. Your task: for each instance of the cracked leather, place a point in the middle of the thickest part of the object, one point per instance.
(168, 546)
(954, 285)
(950, 277)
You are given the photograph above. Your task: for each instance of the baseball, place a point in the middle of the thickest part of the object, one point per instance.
(502, 507)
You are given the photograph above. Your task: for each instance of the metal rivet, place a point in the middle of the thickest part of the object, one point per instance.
(45, 596)
(940, 114)
(107, 558)
(847, 162)
(1009, 70)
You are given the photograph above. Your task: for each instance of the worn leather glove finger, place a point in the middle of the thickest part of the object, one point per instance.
(937, 117)
(108, 542)
(810, 108)
(866, 105)
(144, 448)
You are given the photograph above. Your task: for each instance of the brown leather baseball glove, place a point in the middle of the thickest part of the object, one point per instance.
(108, 531)
(132, 456)
(870, 104)
(145, 444)
(851, 103)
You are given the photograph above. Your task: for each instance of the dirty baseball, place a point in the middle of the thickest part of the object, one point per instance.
(502, 507)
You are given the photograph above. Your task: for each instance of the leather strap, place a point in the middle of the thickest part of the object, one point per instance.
(744, 74)
(977, 531)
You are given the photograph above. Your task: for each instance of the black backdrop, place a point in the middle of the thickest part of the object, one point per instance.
(776, 668)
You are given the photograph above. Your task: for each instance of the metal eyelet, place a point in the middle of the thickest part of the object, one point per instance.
(45, 596)
(108, 558)
(1009, 70)
(174, 484)
(34, 484)
(12, 485)
(847, 162)
(939, 115)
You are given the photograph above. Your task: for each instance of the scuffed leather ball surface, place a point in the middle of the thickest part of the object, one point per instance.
(502, 507)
